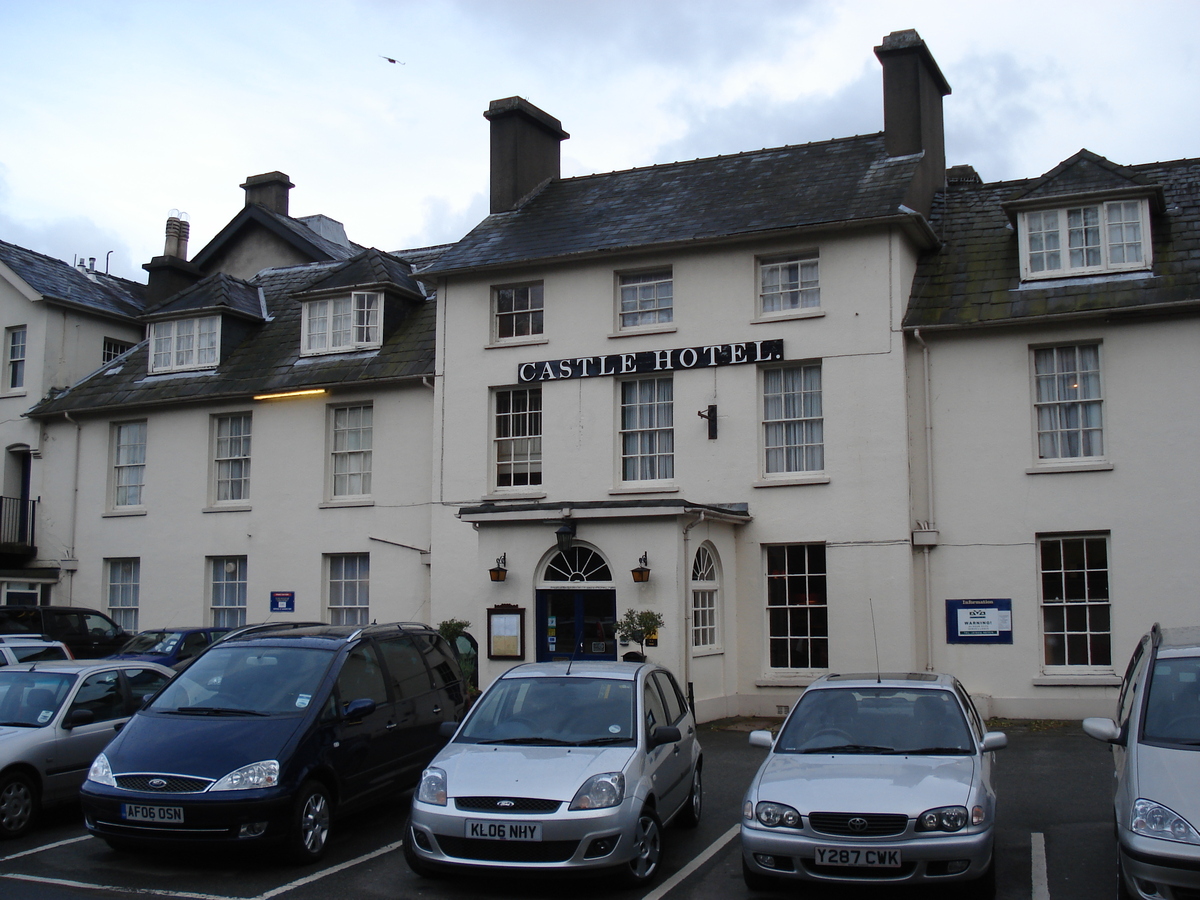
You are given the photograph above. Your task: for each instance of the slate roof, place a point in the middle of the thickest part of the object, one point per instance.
(266, 362)
(58, 281)
(850, 179)
(292, 231)
(365, 270)
(974, 279)
(214, 294)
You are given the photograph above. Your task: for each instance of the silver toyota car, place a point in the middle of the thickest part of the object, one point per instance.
(1156, 751)
(561, 766)
(874, 779)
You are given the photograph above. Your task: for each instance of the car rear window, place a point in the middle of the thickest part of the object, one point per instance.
(1173, 703)
(38, 654)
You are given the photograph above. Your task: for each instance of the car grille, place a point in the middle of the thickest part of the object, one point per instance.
(877, 824)
(171, 784)
(508, 851)
(507, 804)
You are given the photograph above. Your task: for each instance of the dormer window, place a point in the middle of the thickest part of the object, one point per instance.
(182, 344)
(1085, 239)
(342, 323)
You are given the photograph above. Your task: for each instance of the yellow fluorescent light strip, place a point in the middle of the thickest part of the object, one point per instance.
(287, 394)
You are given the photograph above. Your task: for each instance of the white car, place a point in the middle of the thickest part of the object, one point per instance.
(17, 648)
(566, 767)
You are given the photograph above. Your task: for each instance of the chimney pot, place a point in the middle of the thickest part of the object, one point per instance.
(525, 150)
(269, 190)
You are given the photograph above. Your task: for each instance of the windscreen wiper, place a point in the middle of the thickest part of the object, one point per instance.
(850, 748)
(932, 751)
(214, 711)
(600, 741)
(547, 741)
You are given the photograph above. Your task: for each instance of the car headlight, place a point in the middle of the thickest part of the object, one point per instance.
(101, 772)
(944, 818)
(262, 774)
(600, 792)
(432, 788)
(774, 815)
(1157, 821)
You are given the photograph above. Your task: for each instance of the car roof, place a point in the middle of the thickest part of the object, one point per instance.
(1184, 638)
(26, 640)
(884, 679)
(82, 666)
(584, 668)
(338, 633)
(172, 629)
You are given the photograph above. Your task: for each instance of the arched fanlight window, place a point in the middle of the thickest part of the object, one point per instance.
(578, 564)
(705, 590)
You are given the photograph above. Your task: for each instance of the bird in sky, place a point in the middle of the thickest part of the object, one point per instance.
(389, 59)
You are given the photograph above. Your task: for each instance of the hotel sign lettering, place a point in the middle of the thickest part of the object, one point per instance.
(650, 361)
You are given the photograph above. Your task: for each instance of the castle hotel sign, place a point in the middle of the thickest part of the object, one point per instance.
(650, 361)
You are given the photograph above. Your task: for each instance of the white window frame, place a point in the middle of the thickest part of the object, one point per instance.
(646, 433)
(114, 347)
(1083, 597)
(231, 454)
(1068, 403)
(517, 439)
(227, 591)
(646, 299)
(705, 589)
(16, 350)
(129, 464)
(122, 578)
(342, 324)
(518, 308)
(792, 432)
(1059, 249)
(182, 345)
(351, 436)
(780, 586)
(348, 588)
(784, 294)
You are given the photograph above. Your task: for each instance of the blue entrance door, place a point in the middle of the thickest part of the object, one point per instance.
(581, 624)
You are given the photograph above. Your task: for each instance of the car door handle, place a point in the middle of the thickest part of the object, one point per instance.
(437, 710)
(390, 725)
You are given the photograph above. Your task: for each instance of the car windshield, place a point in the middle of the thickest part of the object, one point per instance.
(32, 698)
(234, 679)
(876, 720)
(1173, 704)
(571, 711)
(157, 643)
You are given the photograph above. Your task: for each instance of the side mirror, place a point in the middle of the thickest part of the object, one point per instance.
(78, 717)
(359, 709)
(447, 729)
(761, 739)
(664, 734)
(1103, 730)
(994, 740)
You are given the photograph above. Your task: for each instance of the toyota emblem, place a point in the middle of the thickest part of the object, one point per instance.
(858, 824)
(158, 783)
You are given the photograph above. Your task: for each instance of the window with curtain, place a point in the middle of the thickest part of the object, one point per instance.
(793, 423)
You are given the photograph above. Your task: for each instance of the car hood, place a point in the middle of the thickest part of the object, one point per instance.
(550, 773)
(1169, 776)
(144, 657)
(863, 784)
(14, 736)
(202, 746)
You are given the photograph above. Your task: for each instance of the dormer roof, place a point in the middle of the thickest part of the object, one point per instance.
(1083, 177)
(216, 294)
(294, 232)
(370, 270)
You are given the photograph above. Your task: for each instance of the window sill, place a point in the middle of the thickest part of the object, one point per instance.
(515, 495)
(240, 507)
(1077, 681)
(793, 481)
(708, 651)
(339, 504)
(768, 318)
(516, 342)
(16, 393)
(645, 329)
(1051, 468)
(1055, 279)
(790, 680)
(648, 489)
(121, 513)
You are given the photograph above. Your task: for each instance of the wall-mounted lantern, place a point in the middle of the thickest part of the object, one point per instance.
(500, 570)
(565, 536)
(642, 573)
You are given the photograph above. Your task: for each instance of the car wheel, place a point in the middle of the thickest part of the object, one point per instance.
(18, 805)
(689, 816)
(756, 881)
(418, 865)
(310, 824)
(648, 841)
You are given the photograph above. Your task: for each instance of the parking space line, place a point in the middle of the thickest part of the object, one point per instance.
(73, 840)
(667, 886)
(191, 895)
(1039, 878)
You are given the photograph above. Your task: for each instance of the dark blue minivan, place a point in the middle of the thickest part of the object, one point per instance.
(267, 736)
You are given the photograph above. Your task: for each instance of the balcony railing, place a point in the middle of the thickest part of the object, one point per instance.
(17, 519)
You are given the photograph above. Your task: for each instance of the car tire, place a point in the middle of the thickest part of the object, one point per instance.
(756, 881)
(648, 843)
(18, 804)
(689, 816)
(309, 833)
(419, 866)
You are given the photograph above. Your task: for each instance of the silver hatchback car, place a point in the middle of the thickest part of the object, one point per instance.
(1156, 752)
(561, 766)
(874, 779)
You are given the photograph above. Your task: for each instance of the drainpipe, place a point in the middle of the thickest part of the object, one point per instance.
(687, 614)
(925, 375)
(74, 504)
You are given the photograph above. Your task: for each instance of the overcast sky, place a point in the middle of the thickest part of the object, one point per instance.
(114, 113)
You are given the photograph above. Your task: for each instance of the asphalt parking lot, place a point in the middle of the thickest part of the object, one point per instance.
(1054, 842)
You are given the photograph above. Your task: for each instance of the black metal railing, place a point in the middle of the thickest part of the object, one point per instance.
(17, 519)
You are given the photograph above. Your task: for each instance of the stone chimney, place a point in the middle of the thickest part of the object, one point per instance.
(269, 190)
(171, 273)
(525, 150)
(913, 88)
